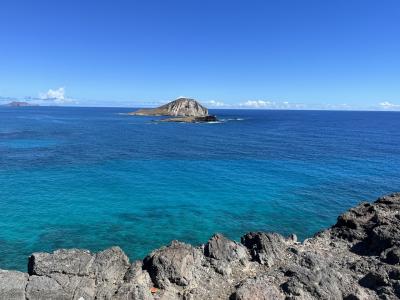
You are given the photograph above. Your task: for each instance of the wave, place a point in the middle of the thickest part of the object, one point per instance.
(232, 119)
(214, 122)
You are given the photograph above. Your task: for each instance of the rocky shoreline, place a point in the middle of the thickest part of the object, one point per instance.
(206, 119)
(357, 258)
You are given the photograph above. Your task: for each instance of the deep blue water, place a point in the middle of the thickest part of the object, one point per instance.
(93, 178)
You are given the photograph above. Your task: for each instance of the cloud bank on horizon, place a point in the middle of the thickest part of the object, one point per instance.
(389, 105)
(268, 104)
(58, 97)
(49, 98)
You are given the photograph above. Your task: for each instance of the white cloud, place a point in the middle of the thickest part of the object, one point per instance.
(56, 96)
(330, 106)
(256, 104)
(216, 103)
(264, 104)
(389, 105)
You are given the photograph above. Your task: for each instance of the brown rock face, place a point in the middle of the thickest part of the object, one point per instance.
(181, 107)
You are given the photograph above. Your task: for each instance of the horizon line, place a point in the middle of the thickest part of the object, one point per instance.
(212, 108)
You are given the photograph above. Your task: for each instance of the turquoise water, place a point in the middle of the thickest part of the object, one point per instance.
(93, 177)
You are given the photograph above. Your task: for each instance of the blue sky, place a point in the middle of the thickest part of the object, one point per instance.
(266, 54)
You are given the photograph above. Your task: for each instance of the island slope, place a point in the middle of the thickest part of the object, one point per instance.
(180, 110)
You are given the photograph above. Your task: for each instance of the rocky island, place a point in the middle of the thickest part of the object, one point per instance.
(20, 104)
(356, 259)
(180, 110)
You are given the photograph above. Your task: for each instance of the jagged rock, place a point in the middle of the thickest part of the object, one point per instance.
(259, 288)
(78, 286)
(371, 229)
(374, 279)
(265, 248)
(12, 285)
(136, 274)
(137, 284)
(110, 265)
(60, 286)
(45, 288)
(312, 278)
(353, 224)
(173, 264)
(221, 267)
(106, 290)
(132, 292)
(391, 255)
(71, 261)
(219, 247)
(383, 237)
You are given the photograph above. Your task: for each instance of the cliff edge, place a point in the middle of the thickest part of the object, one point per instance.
(357, 258)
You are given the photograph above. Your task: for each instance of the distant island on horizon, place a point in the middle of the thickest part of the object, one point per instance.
(20, 104)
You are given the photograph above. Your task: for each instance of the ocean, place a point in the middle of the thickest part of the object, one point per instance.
(95, 177)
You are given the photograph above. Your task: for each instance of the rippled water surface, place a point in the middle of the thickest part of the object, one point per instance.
(94, 177)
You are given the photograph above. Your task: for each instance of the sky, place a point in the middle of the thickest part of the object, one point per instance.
(310, 54)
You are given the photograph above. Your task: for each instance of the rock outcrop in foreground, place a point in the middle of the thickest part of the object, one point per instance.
(181, 110)
(358, 258)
